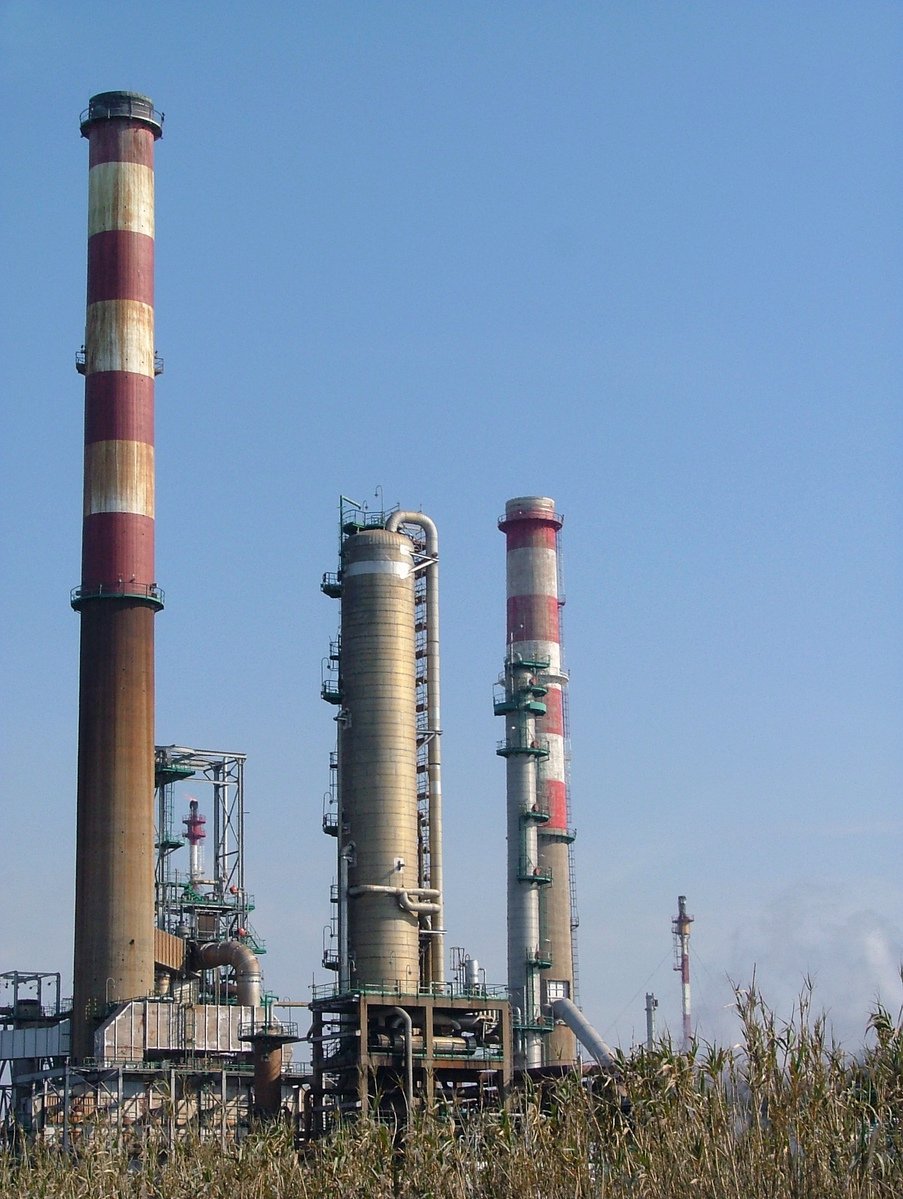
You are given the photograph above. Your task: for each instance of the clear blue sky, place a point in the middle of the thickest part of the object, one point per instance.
(642, 257)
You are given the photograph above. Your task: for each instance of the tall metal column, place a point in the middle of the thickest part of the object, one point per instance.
(531, 526)
(520, 704)
(118, 597)
(680, 928)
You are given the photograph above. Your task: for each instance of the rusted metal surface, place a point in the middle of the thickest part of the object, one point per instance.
(114, 928)
(147, 1028)
(267, 1078)
(169, 951)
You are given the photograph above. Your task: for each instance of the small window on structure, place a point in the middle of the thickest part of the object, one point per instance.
(557, 988)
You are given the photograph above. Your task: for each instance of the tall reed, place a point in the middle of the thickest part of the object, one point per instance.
(786, 1113)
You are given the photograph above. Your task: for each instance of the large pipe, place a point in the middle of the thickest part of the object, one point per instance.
(434, 726)
(408, 1056)
(243, 961)
(427, 902)
(531, 526)
(525, 878)
(604, 1056)
(118, 596)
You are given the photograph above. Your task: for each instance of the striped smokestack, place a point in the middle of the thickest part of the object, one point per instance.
(118, 597)
(531, 526)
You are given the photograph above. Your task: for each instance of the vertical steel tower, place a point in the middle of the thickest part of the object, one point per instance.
(378, 758)
(388, 820)
(118, 597)
(540, 904)
(680, 928)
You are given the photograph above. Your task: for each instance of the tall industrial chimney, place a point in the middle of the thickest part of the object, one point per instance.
(680, 929)
(118, 597)
(541, 915)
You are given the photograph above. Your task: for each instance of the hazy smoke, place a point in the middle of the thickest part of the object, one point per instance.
(848, 949)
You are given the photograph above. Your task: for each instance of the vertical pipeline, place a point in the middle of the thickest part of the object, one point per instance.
(434, 723)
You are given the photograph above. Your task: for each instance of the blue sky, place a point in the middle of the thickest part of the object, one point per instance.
(641, 257)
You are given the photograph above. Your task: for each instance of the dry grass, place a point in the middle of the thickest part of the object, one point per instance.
(789, 1114)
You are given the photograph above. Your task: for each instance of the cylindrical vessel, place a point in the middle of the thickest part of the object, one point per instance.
(118, 596)
(267, 1077)
(378, 752)
(531, 526)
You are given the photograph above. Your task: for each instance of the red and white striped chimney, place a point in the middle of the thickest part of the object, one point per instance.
(531, 527)
(118, 597)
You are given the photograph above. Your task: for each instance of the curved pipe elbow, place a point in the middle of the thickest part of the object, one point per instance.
(402, 895)
(424, 522)
(243, 961)
(417, 908)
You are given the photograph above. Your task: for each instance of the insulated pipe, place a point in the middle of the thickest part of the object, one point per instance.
(564, 1009)
(345, 855)
(434, 721)
(402, 896)
(118, 596)
(242, 960)
(408, 1056)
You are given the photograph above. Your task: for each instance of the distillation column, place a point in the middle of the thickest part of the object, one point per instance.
(531, 527)
(382, 901)
(118, 597)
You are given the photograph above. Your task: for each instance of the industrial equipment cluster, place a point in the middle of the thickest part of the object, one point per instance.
(169, 1024)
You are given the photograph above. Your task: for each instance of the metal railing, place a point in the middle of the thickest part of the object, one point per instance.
(538, 747)
(268, 1028)
(529, 872)
(136, 108)
(118, 590)
(447, 990)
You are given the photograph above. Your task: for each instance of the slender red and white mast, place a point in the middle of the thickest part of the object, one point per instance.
(194, 834)
(537, 711)
(680, 927)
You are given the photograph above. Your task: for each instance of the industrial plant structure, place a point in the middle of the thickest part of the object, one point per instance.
(533, 699)
(680, 929)
(392, 1032)
(169, 1025)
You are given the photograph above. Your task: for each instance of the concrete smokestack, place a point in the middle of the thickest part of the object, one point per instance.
(118, 597)
(534, 676)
